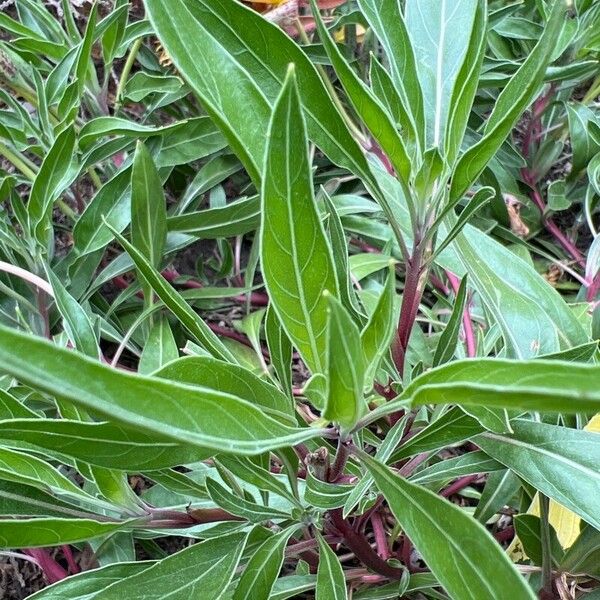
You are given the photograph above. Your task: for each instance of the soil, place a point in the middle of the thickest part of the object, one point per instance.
(19, 578)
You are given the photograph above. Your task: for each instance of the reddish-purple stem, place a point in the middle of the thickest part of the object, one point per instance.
(594, 288)
(52, 570)
(470, 342)
(68, 553)
(361, 548)
(458, 485)
(383, 548)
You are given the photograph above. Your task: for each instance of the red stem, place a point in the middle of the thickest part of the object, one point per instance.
(361, 548)
(594, 288)
(470, 342)
(411, 297)
(550, 225)
(52, 570)
(383, 548)
(458, 485)
(73, 566)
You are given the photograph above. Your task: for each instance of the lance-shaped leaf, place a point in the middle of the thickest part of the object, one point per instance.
(331, 583)
(31, 533)
(148, 207)
(54, 176)
(213, 28)
(83, 586)
(439, 529)
(440, 32)
(296, 259)
(366, 104)
(100, 444)
(262, 569)
(345, 368)
(466, 85)
(447, 344)
(512, 101)
(174, 301)
(202, 570)
(76, 321)
(543, 385)
(386, 19)
(562, 463)
(203, 417)
(377, 334)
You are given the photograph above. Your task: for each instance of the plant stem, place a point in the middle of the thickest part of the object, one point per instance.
(467, 323)
(361, 548)
(414, 283)
(133, 52)
(546, 545)
(339, 462)
(18, 161)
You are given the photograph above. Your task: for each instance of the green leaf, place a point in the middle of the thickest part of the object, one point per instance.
(175, 303)
(199, 138)
(254, 474)
(500, 488)
(280, 350)
(191, 28)
(235, 218)
(345, 369)
(76, 321)
(331, 583)
(263, 568)
(529, 532)
(204, 569)
(465, 87)
(438, 529)
(211, 70)
(204, 418)
(110, 206)
(510, 104)
(561, 463)
(366, 104)
(32, 533)
(208, 373)
(376, 337)
(250, 511)
(30, 470)
(88, 584)
(100, 444)
(449, 338)
(543, 385)
(144, 84)
(148, 207)
(440, 31)
(160, 348)
(54, 176)
(324, 495)
(110, 126)
(386, 19)
(452, 468)
(296, 260)
(584, 555)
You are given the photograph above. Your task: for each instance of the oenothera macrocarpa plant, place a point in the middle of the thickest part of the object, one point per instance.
(344, 483)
